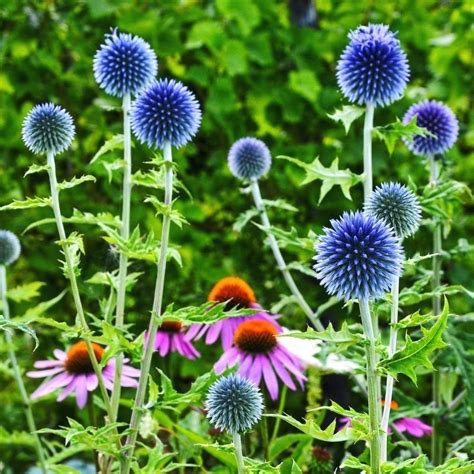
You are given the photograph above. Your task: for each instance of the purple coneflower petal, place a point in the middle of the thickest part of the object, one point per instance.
(255, 372)
(246, 363)
(69, 388)
(128, 382)
(46, 364)
(59, 354)
(81, 390)
(283, 374)
(164, 345)
(227, 359)
(51, 385)
(130, 371)
(38, 374)
(213, 332)
(92, 382)
(269, 376)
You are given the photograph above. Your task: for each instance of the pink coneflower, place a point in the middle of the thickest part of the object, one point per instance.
(171, 337)
(73, 371)
(259, 354)
(238, 294)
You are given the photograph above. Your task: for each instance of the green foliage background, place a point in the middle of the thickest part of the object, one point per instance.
(254, 74)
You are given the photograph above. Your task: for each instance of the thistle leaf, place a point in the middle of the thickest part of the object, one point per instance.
(417, 353)
(330, 177)
(28, 203)
(114, 143)
(347, 115)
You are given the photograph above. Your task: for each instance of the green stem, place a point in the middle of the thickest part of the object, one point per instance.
(125, 234)
(372, 377)
(436, 439)
(17, 372)
(259, 204)
(156, 312)
(238, 453)
(71, 275)
(264, 431)
(368, 126)
(281, 405)
(392, 347)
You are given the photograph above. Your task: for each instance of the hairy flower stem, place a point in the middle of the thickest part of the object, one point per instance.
(436, 439)
(125, 234)
(372, 380)
(156, 312)
(392, 347)
(238, 453)
(259, 204)
(281, 406)
(71, 275)
(368, 127)
(17, 372)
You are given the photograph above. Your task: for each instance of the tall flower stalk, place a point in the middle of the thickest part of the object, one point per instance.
(249, 159)
(9, 252)
(124, 65)
(165, 115)
(49, 129)
(443, 128)
(358, 258)
(398, 207)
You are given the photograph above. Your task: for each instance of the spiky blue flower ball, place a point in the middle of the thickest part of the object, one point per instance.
(358, 257)
(10, 247)
(373, 68)
(439, 120)
(166, 111)
(234, 404)
(124, 64)
(396, 205)
(249, 158)
(48, 128)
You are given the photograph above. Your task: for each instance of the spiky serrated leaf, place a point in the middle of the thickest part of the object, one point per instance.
(343, 338)
(13, 325)
(397, 130)
(35, 168)
(114, 143)
(25, 292)
(290, 238)
(347, 115)
(72, 183)
(331, 434)
(28, 203)
(330, 177)
(414, 320)
(417, 353)
(167, 210)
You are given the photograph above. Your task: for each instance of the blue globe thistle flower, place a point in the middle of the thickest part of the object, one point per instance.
(166, 111)
(249, 158)
(124, 64)
(439, 120)
(10, 247)
(48, 128)
(358, 257)
(373, 69)
(234, 404)
(396, 205)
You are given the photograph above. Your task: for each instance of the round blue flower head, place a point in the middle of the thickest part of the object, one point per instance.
(249, 158)
(48, 128)
(396, 205)
(358, 257)
(124, 64)
(373, 69)
(10, 247)
(439, 120)
(166, 111)
(234, 404)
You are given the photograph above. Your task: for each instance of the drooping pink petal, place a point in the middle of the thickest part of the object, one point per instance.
(227, 335)
(81, 390)
(283, 374)
(213, 332)
(108, 381)
(92, 382)
(164, 345)
(59, 354)
(189, 350)
(39, 374)
(289, 362)
(128, 382)
(413, 426)
(269, 376)
(193, 332)
(130, 371)
(51, 385)
(255, 372)
(69, 388)
(228, 358)
(46, 364)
